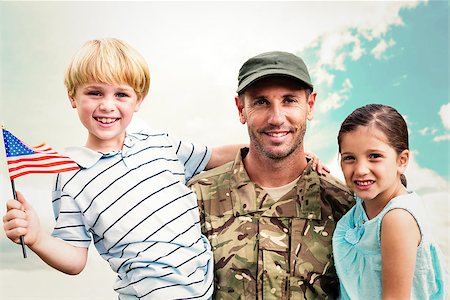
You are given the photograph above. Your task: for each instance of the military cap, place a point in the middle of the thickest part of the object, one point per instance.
(270, 64)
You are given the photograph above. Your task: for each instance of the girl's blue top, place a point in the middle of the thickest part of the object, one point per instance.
(357, 253)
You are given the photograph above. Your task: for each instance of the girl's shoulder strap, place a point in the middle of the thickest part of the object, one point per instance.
(410, 202)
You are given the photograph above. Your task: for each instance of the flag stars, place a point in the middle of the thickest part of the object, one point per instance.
(13, 146)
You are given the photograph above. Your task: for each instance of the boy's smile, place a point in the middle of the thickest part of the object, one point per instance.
(106, 120)
(105, 110)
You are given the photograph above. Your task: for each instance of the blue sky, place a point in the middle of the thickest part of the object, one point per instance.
(411, 74)
(358, 52)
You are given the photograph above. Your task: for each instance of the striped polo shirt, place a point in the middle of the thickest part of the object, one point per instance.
(142, 218)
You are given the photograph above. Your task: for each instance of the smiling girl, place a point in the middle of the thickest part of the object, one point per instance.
(383, 248)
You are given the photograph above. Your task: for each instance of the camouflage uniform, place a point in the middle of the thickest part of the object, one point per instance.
(266, 249)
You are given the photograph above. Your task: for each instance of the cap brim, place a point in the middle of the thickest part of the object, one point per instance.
(267, 73)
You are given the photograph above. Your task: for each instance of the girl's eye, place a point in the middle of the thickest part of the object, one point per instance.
(374, 156)
(347, 158)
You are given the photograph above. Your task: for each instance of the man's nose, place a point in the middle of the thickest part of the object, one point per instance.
(276, 116)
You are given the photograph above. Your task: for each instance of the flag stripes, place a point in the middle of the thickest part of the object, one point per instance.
(23, 159)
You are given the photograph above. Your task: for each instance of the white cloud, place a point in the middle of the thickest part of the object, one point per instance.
(357, 51)
(334, 49)
(424, 131)
(332, 44)
(343, 42)
(335, 168)
(437, 205)
(382, 18)
(381, 47)
(440, 138)
(335, 100)
(322, 76)
(347, 85)
(400, 80)
(444, 113)
(422, 179)
(428, 131)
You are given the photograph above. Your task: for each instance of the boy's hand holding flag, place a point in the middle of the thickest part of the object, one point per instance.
(23, 160)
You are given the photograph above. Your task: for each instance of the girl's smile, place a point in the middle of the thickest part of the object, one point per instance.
(371, 167)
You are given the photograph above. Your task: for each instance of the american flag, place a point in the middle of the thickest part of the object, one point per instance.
(23, 159)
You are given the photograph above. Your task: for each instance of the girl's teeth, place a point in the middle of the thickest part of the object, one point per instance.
(364, 182)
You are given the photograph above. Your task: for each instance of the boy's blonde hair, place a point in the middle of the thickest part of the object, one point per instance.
(110, 61)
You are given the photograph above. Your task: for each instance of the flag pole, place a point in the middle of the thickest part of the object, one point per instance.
(22, 241)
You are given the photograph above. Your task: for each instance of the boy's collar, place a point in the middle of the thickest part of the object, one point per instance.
(83, 156)
(86, 157)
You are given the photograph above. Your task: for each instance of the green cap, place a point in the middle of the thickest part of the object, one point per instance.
(272, 63)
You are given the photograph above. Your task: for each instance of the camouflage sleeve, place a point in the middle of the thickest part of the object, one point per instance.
(337, 195)
(197, 191)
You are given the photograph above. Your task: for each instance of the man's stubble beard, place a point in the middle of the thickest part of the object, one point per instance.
(261, 149)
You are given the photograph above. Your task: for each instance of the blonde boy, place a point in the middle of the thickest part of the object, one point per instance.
(129, 196)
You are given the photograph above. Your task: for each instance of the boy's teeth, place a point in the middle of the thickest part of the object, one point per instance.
(105, 120)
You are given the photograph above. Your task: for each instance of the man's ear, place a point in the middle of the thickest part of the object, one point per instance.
(239, 100)
(73, 103)
(403, 160)
(310, 102)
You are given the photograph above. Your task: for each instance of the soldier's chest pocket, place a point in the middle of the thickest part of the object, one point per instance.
(311, 247)
(299, 247)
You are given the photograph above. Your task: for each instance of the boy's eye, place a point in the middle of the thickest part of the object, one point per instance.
(374, 156)
(94, 93)
(121, 95)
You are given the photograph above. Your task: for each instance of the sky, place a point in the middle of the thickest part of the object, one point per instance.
(358, 52)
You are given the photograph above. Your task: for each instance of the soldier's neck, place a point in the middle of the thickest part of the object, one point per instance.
(274, 173)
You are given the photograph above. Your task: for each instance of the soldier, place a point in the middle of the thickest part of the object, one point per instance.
(268, 215)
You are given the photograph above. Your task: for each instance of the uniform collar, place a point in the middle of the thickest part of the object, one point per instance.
(247, 197)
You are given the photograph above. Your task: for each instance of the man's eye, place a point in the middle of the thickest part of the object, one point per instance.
(260, 102)
(290, 100)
